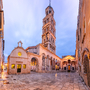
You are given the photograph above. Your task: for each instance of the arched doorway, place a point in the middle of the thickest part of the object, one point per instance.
(34, 64)
(69, 66)
(86, 68)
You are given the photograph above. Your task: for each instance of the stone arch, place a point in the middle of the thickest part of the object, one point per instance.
(34, 64)
(85, 51)
(85, 64)
(64, 65)
(85, 61)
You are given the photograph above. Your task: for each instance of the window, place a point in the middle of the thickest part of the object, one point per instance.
(47, 28)
(78, 37)
(47, 20)
(64, 68)
(24, 66)
(52, 21)
(44, 22)
(72, 68)
(68, 61)
(44, 40)
(47, 13)
(53, 41)
(13, 66)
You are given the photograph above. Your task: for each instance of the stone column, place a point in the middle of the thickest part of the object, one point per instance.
(45, 63)
(61, 65)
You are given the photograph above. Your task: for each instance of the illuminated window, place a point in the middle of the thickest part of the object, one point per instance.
(24, 66)
(13, 66)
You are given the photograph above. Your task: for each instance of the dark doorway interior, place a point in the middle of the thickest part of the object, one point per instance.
(18, 68)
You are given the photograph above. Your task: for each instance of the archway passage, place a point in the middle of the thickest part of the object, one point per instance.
(34, 64)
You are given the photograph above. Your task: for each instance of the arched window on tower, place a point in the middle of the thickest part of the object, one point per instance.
(47, 28)
(47, 13)
(44, 40)
(52, 21)
(44, 22)
(47, 20)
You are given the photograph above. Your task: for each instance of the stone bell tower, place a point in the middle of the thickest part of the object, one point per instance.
(1, 36)
(48, 30)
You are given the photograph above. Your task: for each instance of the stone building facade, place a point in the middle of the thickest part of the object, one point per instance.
(39, 58)
(36, 58)
(69, 63)
(42, 57)
(1, 36)
(83, 40)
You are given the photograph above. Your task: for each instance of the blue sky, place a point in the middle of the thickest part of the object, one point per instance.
(23, 21)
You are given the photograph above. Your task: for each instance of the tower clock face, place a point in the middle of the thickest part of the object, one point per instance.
(19, 53)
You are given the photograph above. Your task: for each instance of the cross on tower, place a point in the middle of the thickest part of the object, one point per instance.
(49, 2)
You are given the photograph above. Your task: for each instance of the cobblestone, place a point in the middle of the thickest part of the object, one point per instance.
(43, 81)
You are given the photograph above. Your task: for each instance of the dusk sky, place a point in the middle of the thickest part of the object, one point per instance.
(23, 21)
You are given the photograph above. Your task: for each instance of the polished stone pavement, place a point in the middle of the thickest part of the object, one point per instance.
(42, 81)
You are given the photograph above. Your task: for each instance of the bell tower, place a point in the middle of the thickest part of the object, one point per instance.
(48, 29)
(1, 36)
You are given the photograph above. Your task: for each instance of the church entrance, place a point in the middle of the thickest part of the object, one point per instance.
(69, 68)
(18, 68)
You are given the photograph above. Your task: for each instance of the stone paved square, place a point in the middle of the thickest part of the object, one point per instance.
(43, 81)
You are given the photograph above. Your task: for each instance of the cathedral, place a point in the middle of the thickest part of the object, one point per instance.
(39, 58)
(42, 57)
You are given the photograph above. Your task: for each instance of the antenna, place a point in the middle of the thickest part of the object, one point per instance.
(49, 2)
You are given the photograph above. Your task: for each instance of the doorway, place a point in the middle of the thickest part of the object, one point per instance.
(69, 68)
(18, 68)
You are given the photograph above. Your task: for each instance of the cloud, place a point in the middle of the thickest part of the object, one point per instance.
(6, 55)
